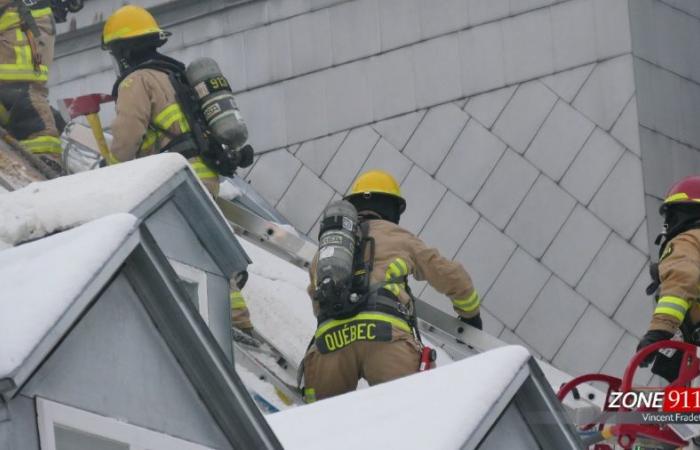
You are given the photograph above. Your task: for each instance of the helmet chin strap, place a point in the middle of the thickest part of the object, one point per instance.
(662, 236)
(118, 65)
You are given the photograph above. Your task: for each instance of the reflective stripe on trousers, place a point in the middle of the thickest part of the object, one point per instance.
(237, 300)
(43, 144)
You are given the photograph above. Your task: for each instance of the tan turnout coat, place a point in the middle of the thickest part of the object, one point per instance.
(423, 262)
(679, 273)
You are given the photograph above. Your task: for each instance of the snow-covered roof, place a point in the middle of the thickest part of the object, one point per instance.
(279, 305)
(40, 280)
(62, 203)
(439, 408)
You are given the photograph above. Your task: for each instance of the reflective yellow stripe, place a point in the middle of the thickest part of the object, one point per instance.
(11, 18)
(396, 269)
(149, 140)
(394, 321)
(676, 197)
(26, 55)
(675, 301)
(202, 170)
(23, 53)
(670, 312)
(469, 304)
(43, 144)
(237, 300)
(393, 271)
(393, 288)
(164, 120)
(23, 72)
(681, 196)
(672, 306)
(309, 395)
(168, 116)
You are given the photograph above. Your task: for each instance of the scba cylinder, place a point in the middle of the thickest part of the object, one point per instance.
(216, 102)
(336, 239)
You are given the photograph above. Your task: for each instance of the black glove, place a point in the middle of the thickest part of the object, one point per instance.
(648, 339)
(473, 321)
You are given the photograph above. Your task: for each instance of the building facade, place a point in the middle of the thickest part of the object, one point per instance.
(534, 139)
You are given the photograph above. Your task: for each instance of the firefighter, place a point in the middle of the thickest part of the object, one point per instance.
(677, 276)
(379, 343)
(148, 116)
(149, 120)
(27, 36)
(240, 316)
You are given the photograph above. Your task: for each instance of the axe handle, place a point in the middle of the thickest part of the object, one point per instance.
(97, 131)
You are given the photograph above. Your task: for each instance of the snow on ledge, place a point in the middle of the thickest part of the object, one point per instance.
(55, 205)
(40, 280)
(439, 408)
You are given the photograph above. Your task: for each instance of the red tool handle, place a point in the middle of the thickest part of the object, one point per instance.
(427, 359)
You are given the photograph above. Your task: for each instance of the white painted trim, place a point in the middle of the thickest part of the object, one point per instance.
(198, 276)
(51, 413)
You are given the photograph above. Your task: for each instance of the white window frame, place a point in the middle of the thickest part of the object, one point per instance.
(50, 414)
(194, 275)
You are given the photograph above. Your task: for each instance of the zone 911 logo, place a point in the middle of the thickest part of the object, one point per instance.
(672, 399)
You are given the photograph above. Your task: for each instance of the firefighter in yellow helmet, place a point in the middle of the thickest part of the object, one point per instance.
(676, 278)
(149, 118)
(27, 36)
(378, 342)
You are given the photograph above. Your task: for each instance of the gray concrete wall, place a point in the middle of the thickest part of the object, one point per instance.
(511, 124)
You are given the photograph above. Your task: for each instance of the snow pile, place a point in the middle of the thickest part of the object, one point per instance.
(262, 388)
(38, 285)
(228, 190)
(433, 409)
(44, 208)
(279, 306)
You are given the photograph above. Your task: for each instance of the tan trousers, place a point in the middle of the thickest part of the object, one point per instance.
(338, 372)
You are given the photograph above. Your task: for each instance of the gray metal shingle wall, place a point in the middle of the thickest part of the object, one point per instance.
(511, 125)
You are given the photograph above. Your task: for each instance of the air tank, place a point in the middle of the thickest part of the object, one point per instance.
(217, 102)
(337, 240)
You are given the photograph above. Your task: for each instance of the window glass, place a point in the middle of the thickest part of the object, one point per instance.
(192, 289)
(70, 439)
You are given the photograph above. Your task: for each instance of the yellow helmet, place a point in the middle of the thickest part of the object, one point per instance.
(130, 22)
(377, 182)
